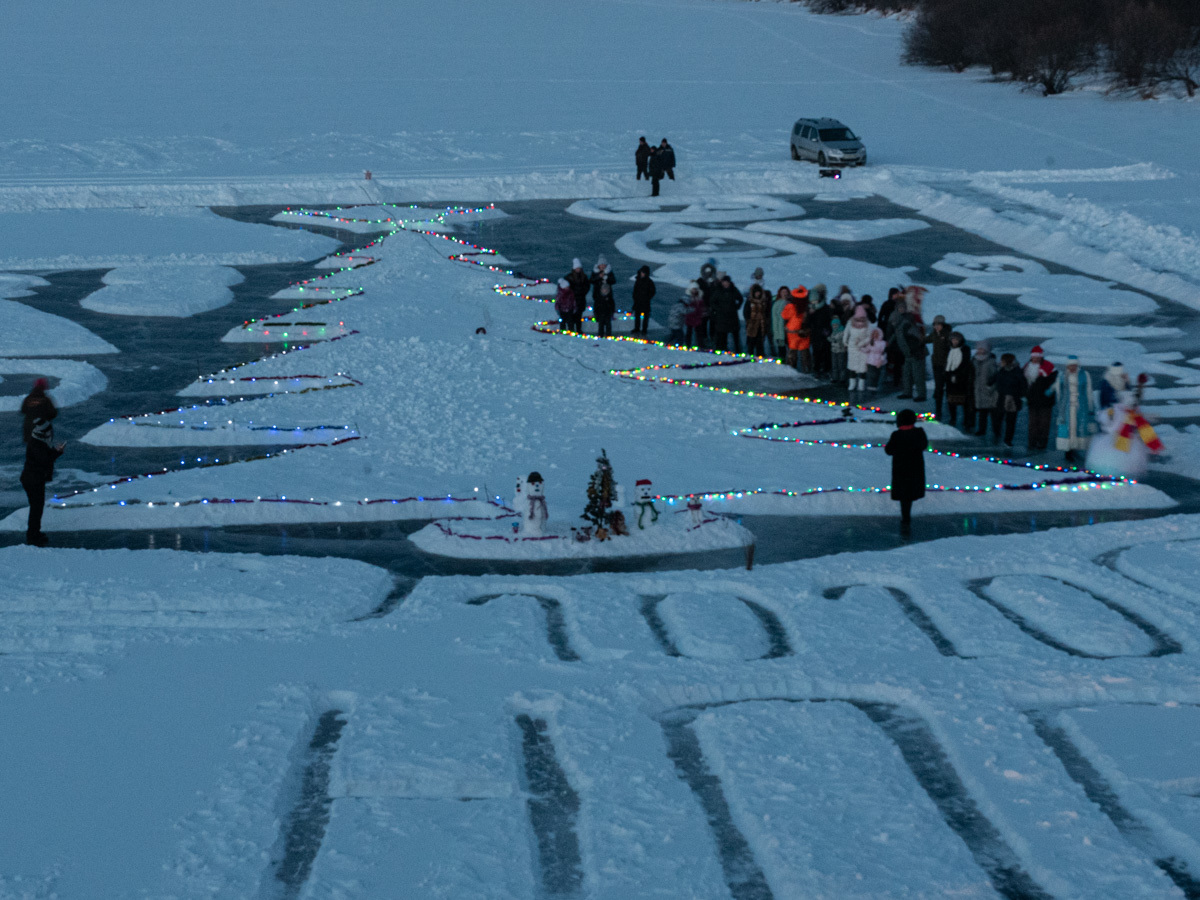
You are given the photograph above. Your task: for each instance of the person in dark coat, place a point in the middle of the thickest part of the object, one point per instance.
(894, 356)
(1010, 385)
(667, 152)
(725, 301)
(820, 328)
(655, 167)
(40, 454)
(957, 373)
(907, 447)
(643, 290)
(603, 308)
(939, 348)
(581, 286)
(1040, 376)
(641, 156)
(602, 274)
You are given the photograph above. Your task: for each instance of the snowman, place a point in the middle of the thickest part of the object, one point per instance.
(696, 508)
(647, 513)
(531, 504)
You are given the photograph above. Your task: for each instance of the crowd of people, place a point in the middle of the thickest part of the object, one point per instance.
(846, 341)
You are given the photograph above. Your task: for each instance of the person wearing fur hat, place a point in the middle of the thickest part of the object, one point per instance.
(876, 358)
(1115, 386)
(677, 317)
(643, 290)
(581, 286)
(1040, 376)
(987, 398)
(820, 329)
(858, 342)
(939, 348)
(1076, 410)
(799, 339)
(958, 369)
(907, 447)
(756, 311)
(40, 455)
(779, 347)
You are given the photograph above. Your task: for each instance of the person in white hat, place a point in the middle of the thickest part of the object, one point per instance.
(1076, 410)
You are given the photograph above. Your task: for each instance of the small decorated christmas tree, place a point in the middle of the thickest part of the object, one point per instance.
(601, 492)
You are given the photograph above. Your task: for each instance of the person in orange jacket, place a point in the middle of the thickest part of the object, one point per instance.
(794, 314)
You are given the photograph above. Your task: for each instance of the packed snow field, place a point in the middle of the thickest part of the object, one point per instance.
(1013, 716)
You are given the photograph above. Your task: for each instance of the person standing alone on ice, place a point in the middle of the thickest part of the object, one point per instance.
(40, 453)
(641, 156)
(907, 447)
(1076, 410)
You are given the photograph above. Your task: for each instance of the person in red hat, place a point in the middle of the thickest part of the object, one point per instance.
(1040, 376)
(40, 453)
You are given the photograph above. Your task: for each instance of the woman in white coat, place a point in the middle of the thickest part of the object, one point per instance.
(858, 343)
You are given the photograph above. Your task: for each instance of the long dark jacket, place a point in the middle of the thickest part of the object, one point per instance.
(655, 167)
(643, 290)
(642, 153)
(36, 406)
(667, 156)
(39, 462)
(1009, 383)
(603, 305)
(580, 285)
(939, 347)
(1040, 394)
(725, 303)
(907, 448)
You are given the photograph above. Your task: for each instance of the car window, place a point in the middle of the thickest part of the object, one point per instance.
(837, 134)
(808, 132)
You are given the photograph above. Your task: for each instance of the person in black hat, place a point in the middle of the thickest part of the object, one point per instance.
(40, 455)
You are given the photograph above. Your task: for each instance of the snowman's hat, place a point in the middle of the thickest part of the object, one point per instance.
(642, 482)
(534, 478)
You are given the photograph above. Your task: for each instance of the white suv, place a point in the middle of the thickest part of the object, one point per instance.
(827, 141)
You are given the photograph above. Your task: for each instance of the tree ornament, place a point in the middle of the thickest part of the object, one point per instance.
(601, 492)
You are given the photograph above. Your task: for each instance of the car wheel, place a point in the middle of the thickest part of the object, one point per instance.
(821, 158)
(795, 155)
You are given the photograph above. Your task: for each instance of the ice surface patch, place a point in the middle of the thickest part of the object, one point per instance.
(841, 229)
(716, 627)
(1069, 615)
(1035, 287)
(103, 238)
(177, 291)
(25, 331)
(686, 209)
(13, 286)
(76, 380)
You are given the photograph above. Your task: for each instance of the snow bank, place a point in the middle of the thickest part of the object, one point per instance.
(177, 291)
(487, 540)
(169, 589)
(14, 286)
(25, 331)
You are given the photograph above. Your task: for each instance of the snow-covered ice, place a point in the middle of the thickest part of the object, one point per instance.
(163, 290)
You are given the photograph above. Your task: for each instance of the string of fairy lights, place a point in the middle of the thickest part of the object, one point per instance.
(476, 255)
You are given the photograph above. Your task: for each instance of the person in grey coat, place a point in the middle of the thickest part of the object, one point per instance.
(987, 397)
